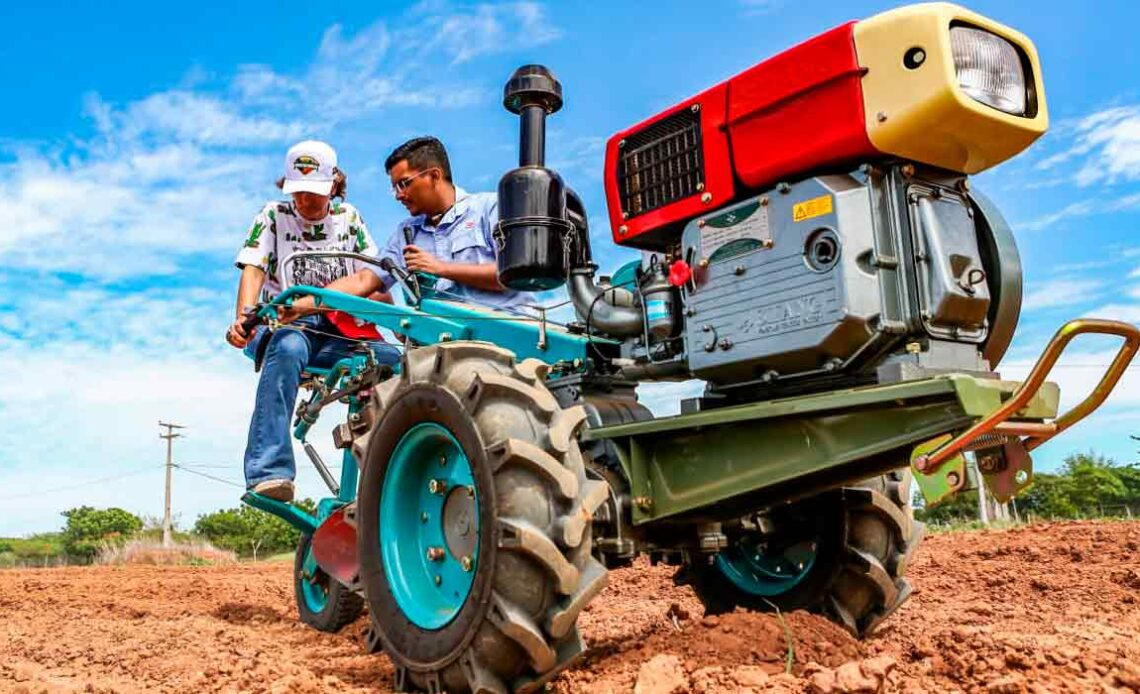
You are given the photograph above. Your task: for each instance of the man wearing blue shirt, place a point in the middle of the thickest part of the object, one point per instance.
(449, 231)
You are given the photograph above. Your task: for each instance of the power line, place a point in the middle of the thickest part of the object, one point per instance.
(209, 477)
(80, 485)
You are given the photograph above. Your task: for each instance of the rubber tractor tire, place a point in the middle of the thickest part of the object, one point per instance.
(322, 602)
(844, 556)
(474, 515)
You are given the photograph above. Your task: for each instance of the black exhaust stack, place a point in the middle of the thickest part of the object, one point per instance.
(533, 225)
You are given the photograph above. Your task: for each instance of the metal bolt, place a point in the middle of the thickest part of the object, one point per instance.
(623, 230)
(783, 188)
(621, 143)
(907, 170)
(643, 502)
(767, 243)
(625, 215)
(437, 486)
(704, 262)
(913, 347)
(354, 417)
(726, 344)
(442, 460)
(445, 337)
(701, 223)
(964, 185)
(1021, 477)
(738, 270)
(700, 185)
(424, 517)
(764, 201)
(470, 492)
(405, 323)
(435, 553)
(706, 198)
(695, 108)
(921, 463)
(881, 116)
(438, 580)
(465, 562)
(952, 479)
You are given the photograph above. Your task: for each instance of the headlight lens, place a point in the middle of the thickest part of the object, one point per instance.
(989, 69)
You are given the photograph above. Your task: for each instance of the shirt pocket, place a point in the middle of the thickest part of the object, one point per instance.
(467, 246)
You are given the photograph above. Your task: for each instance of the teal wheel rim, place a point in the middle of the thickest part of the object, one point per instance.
(315, 595)
(429, 525)
(761, 572)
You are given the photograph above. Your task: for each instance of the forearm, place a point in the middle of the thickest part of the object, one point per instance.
(362, 283)
(249, 287)
(481, 275)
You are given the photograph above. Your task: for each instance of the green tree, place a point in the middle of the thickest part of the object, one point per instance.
(88, 528)
(250, 532)
(1048, 497)
(1093, 482)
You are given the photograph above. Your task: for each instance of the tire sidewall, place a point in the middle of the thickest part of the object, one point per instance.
(434, 648)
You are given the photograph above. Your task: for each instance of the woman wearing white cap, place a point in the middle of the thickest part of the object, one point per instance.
(310, 220)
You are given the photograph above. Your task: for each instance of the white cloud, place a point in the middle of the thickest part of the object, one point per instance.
(102, 235)
(1105, 148)
(1060, 292)
(1083, 208)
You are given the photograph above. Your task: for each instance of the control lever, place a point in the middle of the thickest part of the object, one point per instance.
(406, 279)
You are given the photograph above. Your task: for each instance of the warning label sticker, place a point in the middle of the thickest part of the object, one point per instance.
(816, 207)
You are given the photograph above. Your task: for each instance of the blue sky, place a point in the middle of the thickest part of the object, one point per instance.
(139, 141)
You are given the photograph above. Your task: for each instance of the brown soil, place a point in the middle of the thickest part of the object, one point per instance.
(1052, 607)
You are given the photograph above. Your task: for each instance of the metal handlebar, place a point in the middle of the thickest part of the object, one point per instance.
(1037, 433)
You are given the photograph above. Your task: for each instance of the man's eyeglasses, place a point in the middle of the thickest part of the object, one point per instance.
(401, 185)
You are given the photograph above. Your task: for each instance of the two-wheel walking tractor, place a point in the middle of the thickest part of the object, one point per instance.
(811, 248)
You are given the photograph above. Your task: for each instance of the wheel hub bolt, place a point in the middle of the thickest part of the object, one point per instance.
(424, 517)
(470, 492)
(435, 553)
(437, 486)
(465, 562)
(442, 460)
(438, 580)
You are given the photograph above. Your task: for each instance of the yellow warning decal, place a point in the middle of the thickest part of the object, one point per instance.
(816, 207)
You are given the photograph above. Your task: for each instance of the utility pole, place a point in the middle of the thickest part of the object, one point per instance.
(983, 514)
(169, 436)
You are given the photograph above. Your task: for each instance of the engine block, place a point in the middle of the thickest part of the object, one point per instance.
(834, 275)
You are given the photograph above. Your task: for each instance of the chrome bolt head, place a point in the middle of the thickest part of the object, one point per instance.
(466, 563)
(437, 486)
(435, 553)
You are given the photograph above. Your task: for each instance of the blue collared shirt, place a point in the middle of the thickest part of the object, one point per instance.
(463, 235)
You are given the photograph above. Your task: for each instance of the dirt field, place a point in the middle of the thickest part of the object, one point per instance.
(1043, 608)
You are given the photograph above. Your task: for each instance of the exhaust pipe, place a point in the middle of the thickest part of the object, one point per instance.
(596, 309)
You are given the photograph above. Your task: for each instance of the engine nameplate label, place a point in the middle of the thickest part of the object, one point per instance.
(736, 232)
(816, 207)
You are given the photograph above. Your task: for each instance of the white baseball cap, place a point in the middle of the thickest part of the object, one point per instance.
(309, 168)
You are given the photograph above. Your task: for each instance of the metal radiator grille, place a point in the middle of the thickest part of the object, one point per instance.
(661, 164)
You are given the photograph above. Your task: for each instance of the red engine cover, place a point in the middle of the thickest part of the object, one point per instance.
(797, 112)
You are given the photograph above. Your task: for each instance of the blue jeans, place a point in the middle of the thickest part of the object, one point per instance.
(269, 449)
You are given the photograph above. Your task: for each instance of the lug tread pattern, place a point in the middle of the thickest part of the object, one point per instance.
(535, 446)
(520, 628)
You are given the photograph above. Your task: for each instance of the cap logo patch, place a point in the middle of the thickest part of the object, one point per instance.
(306, 164)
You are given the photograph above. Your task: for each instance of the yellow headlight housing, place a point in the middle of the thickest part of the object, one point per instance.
(948, 87)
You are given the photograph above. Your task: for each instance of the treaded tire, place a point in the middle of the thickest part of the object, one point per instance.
(868, 536)
(534, 573)
(343, 606)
